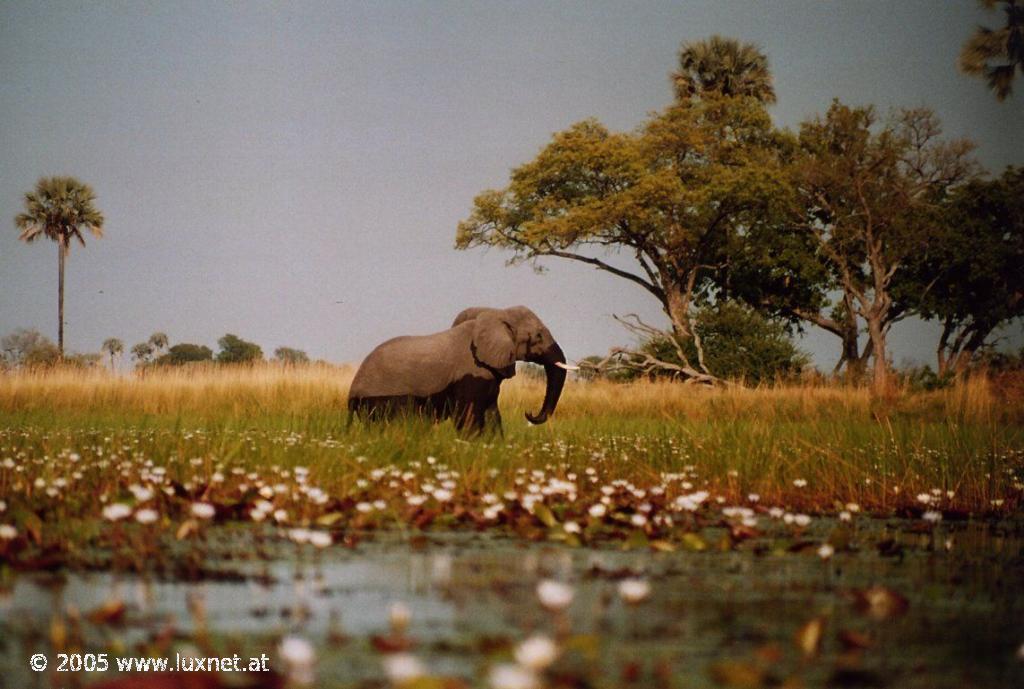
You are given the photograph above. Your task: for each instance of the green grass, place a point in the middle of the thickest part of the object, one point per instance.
(811, 450)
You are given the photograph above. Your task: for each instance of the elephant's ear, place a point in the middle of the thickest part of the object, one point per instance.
(468, 314)
(493, 345)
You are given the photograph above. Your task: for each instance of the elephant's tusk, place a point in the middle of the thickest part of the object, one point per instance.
(559, 364)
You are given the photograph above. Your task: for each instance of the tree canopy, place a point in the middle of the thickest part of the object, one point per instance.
(235, 350)
(671, 195)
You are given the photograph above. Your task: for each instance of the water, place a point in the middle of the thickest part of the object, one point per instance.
(714, 617)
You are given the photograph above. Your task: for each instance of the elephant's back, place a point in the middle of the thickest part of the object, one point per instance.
(416, 365)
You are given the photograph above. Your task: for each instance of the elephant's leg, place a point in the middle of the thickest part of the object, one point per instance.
(493, 421)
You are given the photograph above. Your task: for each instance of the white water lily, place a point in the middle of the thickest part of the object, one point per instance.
(320, 539)
(825, 551)
(203, 510)
(399, 616)
(403, 668)
(536, 652)
(7, 532)
(554, 595)
(512, 676)
(634, 590)
(116, 511)
(300, 657)
(146, 516)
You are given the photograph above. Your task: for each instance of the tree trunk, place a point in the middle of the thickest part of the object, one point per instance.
(876, 332)
(61, 251)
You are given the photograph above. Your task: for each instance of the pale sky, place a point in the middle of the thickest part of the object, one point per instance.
(294, 172)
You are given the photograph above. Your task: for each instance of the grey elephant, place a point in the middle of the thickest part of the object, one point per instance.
(458, 373)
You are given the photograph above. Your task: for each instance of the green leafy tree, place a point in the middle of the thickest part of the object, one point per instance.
(235, 350)
(29, 349)
(723, 66)
(870, 200)
(671, 196)
(971, 279)
(113, 347)
(60, 209)
(184, 353)
(997, 54)
(290, 356)
(741, 344)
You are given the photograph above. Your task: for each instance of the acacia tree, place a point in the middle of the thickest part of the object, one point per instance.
(61, 209)
(871, 200)
(971, 279)
(997, 54)
(670, 196)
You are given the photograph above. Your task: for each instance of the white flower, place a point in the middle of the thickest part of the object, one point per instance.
(402, 668)
(754, 497)
(399, 615)
(845, 516)
(801, 520)
(203, 510)
(634, 591)
(280, 516)
(116, 511)
(933, 516)
(826, 551)
(364, 507)
(924, 498)
(300, 657)
(3, 506)
(638, 520)
(320, 539)
(146, 516)
(442, 495)
(800, 482)
(7, 532)
(571, 527)
(299, 535)
(597, 510)
(141, 493)
(554, 595)
(536, 653)
(512, 676)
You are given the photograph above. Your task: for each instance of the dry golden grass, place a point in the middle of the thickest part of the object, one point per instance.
(274, 389)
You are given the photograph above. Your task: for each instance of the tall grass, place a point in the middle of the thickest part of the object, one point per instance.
(848, 445)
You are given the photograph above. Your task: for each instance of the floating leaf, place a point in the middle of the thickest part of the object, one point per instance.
(111, 612)
(808, 637)
(663, 546)
(186, 529)
(693, 541)
(329, 519)
(544, 514)
(729, 673)
(880, 602)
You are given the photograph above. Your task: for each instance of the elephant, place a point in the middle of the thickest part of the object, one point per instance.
(457, 373)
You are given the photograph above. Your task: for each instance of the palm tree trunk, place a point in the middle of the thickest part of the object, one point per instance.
(61, 251)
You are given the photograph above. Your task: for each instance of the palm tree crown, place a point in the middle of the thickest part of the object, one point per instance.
(61, 209)
(725, 66)
(997, 54)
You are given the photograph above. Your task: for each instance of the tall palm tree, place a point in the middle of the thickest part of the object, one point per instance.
(113, 347)
(725, 66)
(997, 54)
(158, 340)
(61, 209)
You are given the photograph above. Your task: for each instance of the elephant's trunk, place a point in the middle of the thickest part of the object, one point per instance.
(556, 380)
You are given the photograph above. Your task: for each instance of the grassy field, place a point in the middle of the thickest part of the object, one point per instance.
(271, 444)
